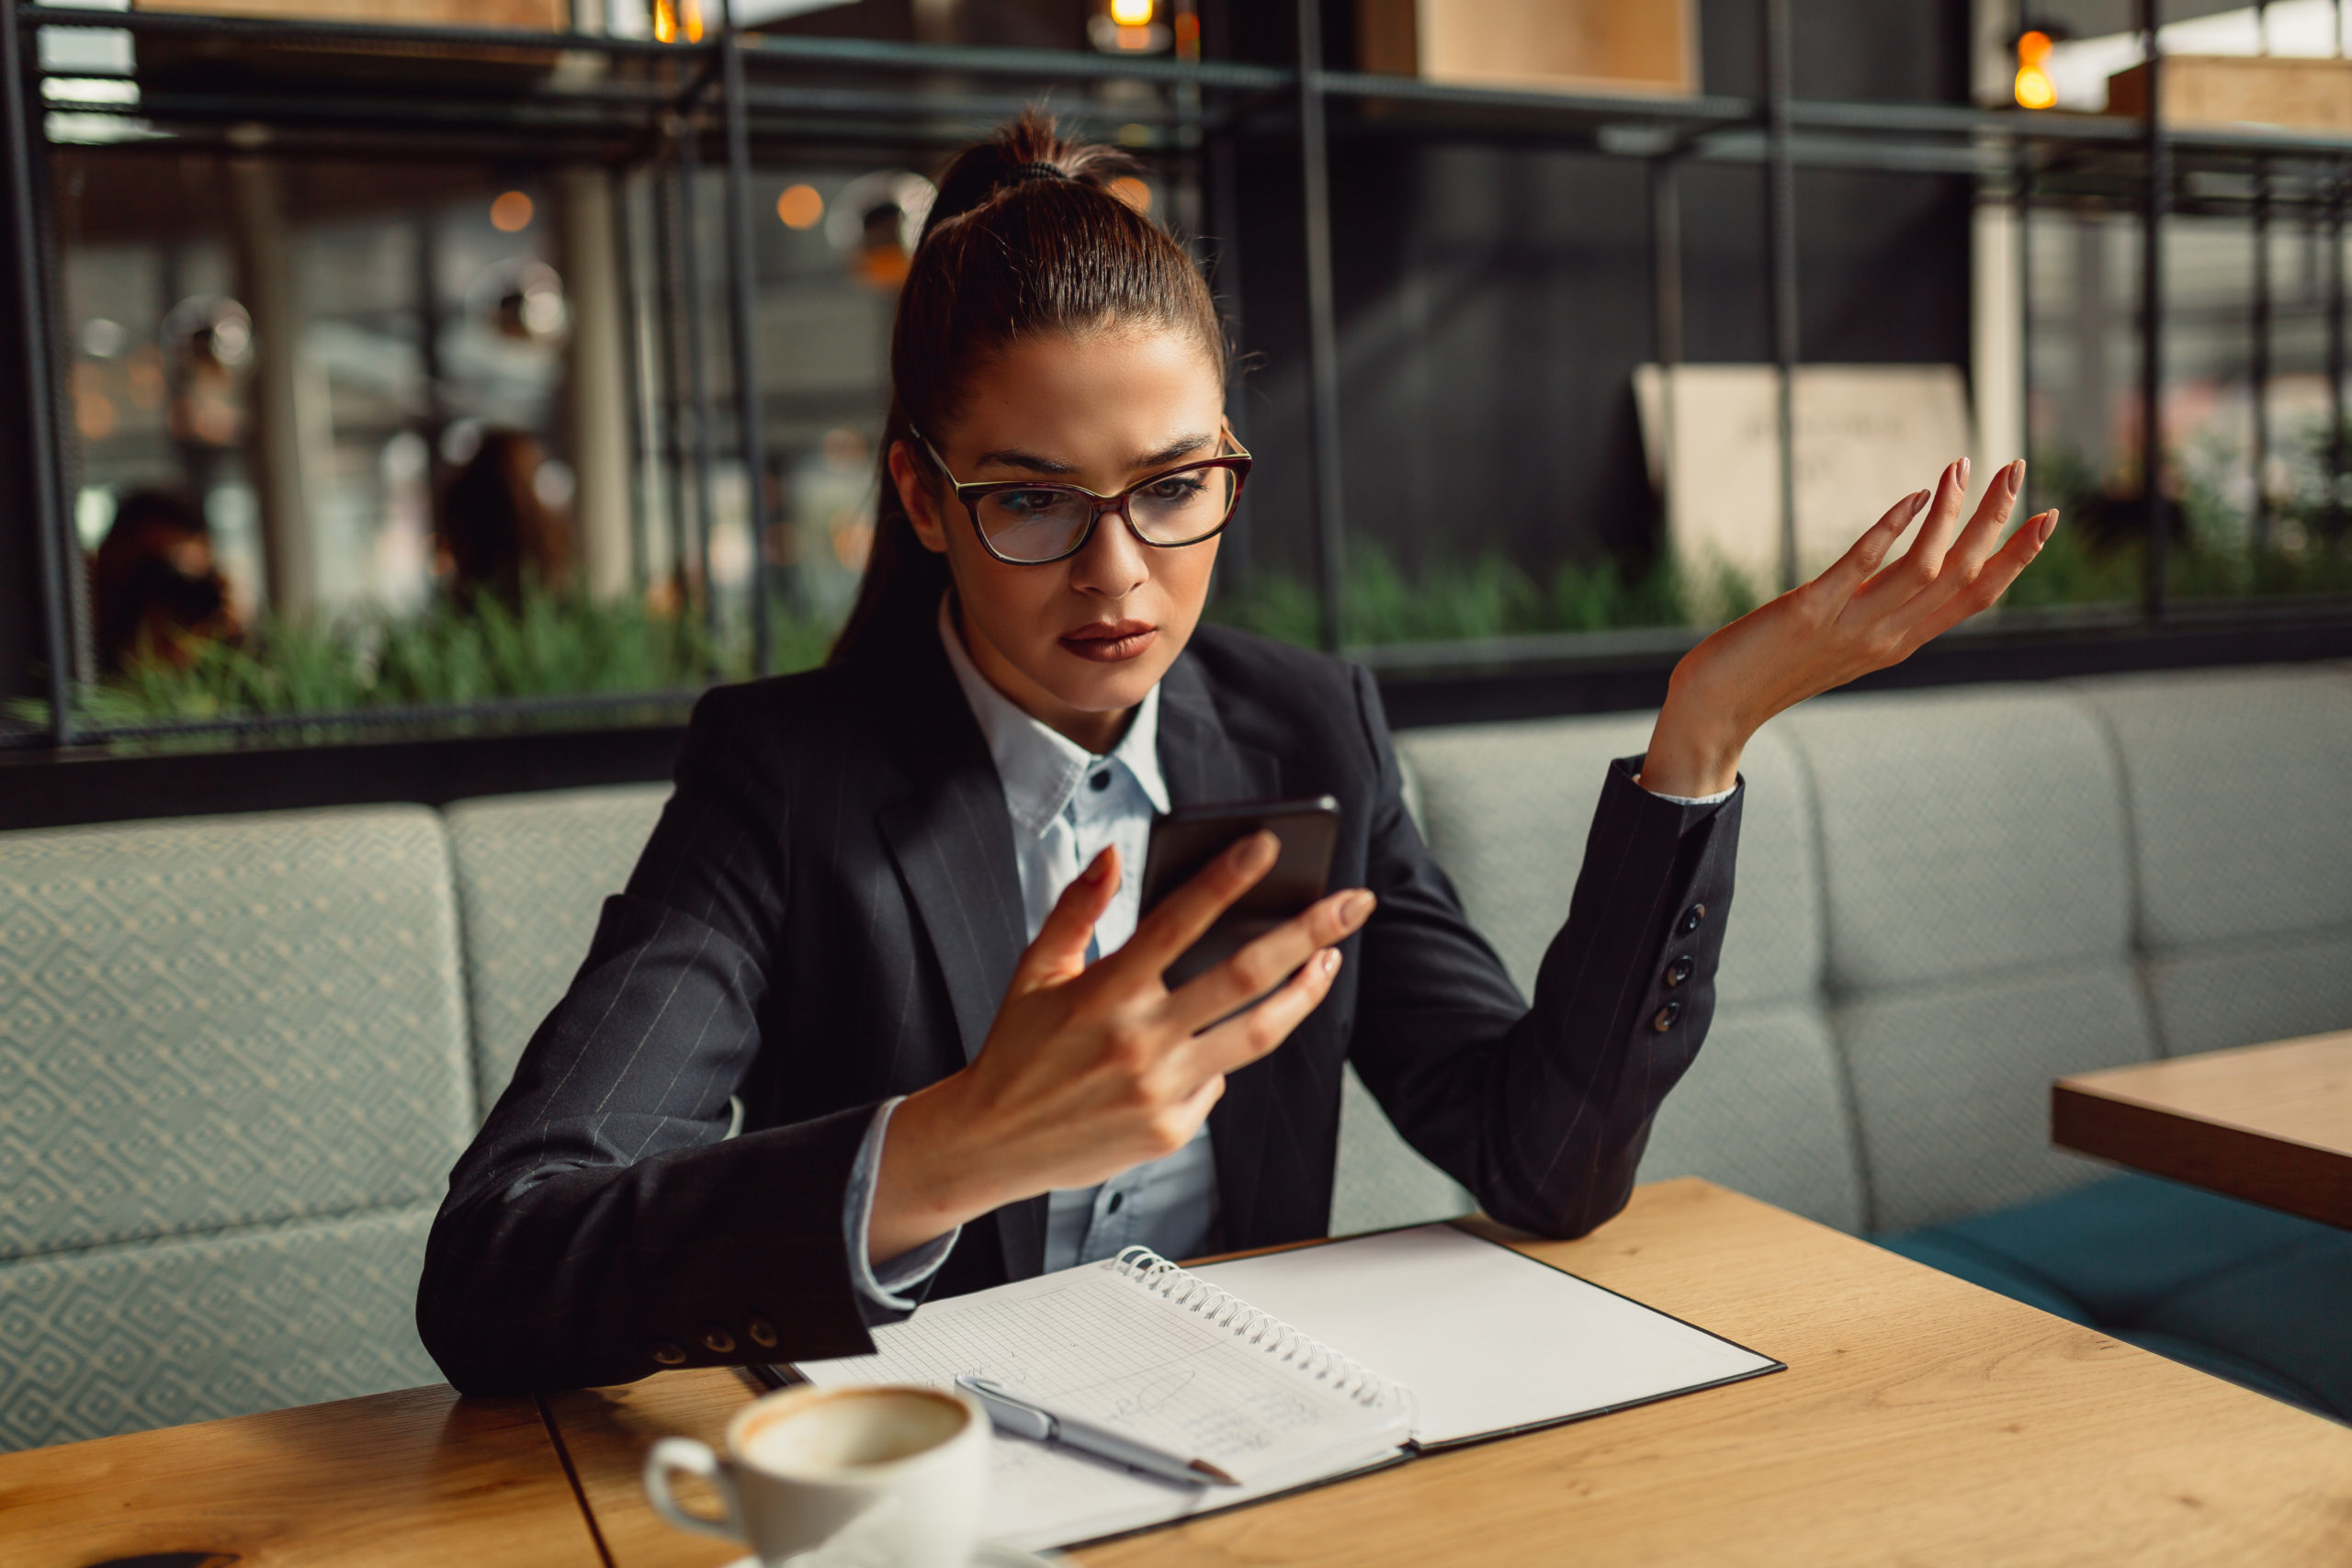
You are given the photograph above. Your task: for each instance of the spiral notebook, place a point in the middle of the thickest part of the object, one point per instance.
(1287, 1369)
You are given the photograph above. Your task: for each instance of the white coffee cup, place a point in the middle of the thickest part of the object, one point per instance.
(879, 1477)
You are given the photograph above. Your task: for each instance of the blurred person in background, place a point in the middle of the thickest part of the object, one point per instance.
(155, 591)
(498, 530)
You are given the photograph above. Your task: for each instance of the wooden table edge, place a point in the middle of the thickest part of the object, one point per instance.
(2286, 1174)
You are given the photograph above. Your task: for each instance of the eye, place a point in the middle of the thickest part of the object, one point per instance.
(1027, 503)
(1176, 488)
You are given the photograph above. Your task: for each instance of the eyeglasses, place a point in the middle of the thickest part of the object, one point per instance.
(1024, 523)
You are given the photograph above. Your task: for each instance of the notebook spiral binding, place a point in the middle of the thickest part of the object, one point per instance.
(1224, 1309)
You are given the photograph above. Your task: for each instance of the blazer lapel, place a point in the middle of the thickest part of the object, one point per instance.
(951, 840)
(1206, 765)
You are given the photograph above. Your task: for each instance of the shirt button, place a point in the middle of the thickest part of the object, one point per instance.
(1692, 918)
(1117, 1200)
(1099, 781)
(1679, 970)
(1666, 1017)
(669, 1355)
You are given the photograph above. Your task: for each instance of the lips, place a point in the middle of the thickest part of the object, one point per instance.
(1111, 642)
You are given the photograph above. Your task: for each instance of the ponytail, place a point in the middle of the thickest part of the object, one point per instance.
(1027, 236)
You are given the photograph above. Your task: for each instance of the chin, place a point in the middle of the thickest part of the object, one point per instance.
(1097, 688)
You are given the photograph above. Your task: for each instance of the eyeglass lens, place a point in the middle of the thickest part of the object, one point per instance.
(1047, 522)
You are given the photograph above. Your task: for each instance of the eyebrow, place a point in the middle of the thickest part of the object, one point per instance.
(1012, 458)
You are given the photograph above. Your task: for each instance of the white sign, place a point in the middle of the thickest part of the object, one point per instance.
(1866, 436)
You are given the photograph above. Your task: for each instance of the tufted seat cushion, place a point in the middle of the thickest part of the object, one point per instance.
(235, 1077)
(1977, 899)
(533, 872)
(1506, 810)
(2242, 848)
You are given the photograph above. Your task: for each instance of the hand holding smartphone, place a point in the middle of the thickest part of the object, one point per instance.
(1186, 841)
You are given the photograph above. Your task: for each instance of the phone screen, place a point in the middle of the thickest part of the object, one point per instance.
(1186, 841)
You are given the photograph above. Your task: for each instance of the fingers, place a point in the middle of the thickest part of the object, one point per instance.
(1862, 557)
(1966, 559)
(1183, 915)
(1986, 586)
(1240, 1041)
(1906, 576)
(1060, 950)
(1260, 966)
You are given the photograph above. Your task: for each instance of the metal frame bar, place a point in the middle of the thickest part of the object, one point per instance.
(2258, 371)
(633, 367)
(687, 170)
(2335, 414)
(1322, 333)
(34, 299)
(499, 709)
(2158, 198)
(741, 320)
(1780, 238)
(1775, 130)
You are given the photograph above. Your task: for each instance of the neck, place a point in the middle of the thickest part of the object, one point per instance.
(1097, 731)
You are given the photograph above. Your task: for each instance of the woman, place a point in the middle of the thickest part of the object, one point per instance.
(878, 1015)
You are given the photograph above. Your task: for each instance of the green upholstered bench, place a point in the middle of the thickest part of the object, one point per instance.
(1946, 900)
(233, 1073)
(238, 1055)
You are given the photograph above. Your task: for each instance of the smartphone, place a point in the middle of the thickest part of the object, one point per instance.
(1183, 841)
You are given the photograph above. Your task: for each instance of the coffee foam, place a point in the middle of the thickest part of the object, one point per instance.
(851, 1429)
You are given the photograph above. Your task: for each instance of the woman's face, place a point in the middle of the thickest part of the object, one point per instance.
(1075, 643)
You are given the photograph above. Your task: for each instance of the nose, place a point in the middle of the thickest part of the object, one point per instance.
(1112, 565)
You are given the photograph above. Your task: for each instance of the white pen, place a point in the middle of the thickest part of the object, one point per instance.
(1025, 1419)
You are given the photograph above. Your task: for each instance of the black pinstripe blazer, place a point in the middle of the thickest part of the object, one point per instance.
(828, 914)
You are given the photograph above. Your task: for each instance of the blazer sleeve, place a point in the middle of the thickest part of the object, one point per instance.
(1543, 1110)
(601, 1226)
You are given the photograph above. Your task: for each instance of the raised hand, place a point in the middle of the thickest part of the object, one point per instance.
(1861, 614)
(1091, 1070)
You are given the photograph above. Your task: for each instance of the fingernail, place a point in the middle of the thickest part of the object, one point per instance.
(1918, 500)
(1357, 908)
(2049, 527)
(1253, 851)
(1330, 961)
(1097, 869)
(2017, 476)
(1964, 473)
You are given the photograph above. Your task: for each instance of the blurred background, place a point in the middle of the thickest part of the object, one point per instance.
(400, 371)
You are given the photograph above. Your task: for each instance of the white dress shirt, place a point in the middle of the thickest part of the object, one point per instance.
(1066, 804)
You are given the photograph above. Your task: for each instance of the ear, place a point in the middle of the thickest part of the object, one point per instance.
(913, 478)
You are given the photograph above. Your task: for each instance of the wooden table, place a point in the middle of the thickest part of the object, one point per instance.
(2268, 1124)
(415, 1477)
(1922, 1420)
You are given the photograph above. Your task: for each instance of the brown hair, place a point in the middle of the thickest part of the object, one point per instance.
(1027, 236)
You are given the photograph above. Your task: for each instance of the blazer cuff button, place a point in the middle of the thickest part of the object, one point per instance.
(762, 1333)
(669, 1355)
(718, 1341)
(1666, 1017)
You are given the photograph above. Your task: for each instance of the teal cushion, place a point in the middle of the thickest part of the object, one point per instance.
(2124, 1244)
(2291, 1312)
(2243, 1292)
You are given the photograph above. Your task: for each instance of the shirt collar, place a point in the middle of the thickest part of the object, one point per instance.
(1039, 767)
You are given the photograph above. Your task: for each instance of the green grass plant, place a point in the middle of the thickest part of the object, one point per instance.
(1486, 597)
